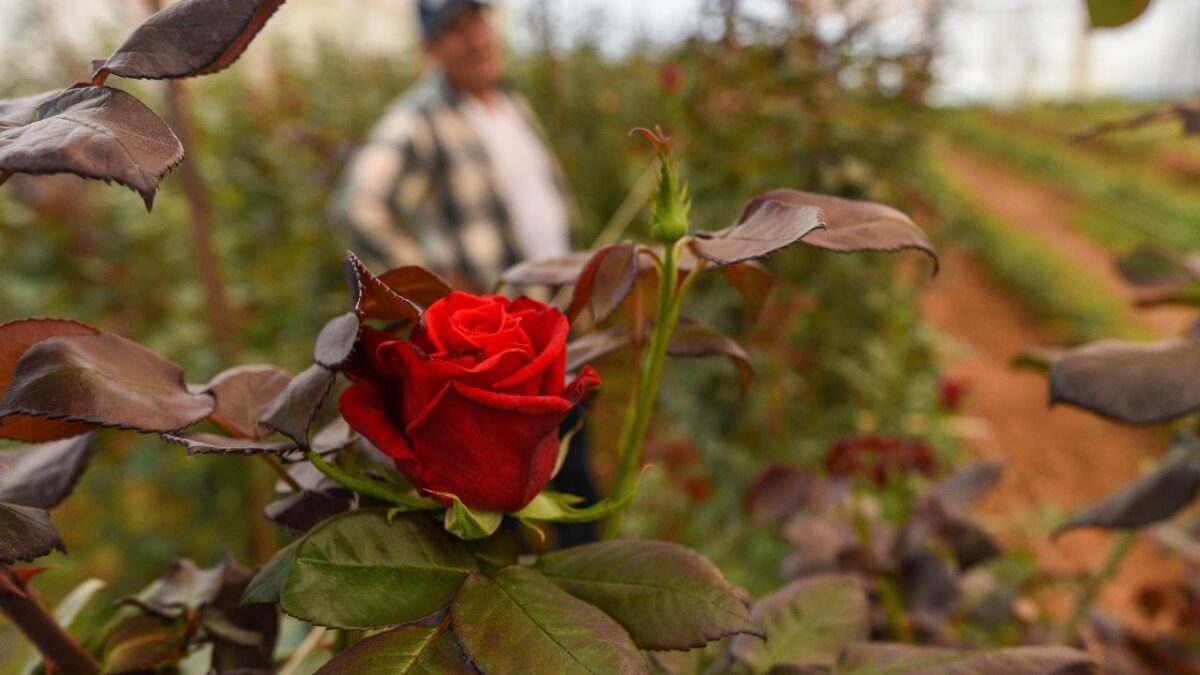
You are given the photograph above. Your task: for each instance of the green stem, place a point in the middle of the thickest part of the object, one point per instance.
(641, 405)
(1091, 589)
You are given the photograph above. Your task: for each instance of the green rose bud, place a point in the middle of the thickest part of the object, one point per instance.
(671, 204)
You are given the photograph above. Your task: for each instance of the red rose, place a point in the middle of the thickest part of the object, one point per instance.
(471, 403)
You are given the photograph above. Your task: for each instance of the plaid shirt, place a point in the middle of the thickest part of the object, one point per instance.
(422, 190)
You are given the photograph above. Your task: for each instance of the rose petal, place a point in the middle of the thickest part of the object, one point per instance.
(422, 377)
(436, 321)
(494, 451)
(553, 356)
(363, 409)
(587, 380)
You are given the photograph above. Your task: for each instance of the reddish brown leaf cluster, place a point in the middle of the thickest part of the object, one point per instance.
(878, 457)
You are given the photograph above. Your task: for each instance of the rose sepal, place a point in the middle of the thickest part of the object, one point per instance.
(469, 525)
(406, 500)
(557, 507)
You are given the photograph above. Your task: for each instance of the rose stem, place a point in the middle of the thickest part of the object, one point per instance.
(1091, 589)
(641, 404)
(55, 644)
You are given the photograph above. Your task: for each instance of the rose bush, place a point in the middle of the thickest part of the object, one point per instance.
(470, 405)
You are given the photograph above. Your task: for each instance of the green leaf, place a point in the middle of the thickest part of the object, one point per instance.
(1115, 13)
(360, 571)
(408, 650)
(807, 622)
(267, 585)
(665, 595)
(517, 622)
(556, 507)
(406, 498)
(878, 658)
(464, 523)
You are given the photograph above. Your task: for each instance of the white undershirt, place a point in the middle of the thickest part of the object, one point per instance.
(525, 176)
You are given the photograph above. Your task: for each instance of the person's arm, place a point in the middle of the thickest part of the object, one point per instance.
(384, 185)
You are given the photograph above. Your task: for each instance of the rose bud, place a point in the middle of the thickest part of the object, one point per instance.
(470, 405)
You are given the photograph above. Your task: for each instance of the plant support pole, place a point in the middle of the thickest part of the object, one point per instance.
(27, 614)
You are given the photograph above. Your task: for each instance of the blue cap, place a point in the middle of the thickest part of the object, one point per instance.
(437, 15)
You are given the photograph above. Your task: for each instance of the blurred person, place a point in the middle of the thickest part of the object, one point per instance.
(457, 175)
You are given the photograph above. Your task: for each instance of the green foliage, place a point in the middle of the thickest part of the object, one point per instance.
(347, 572)
(1069, 300)
(807, 624)
(692, 603)
(545, 629)
(407, 650)
(1115, 13)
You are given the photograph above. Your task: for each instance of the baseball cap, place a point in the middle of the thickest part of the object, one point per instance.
(437, 15)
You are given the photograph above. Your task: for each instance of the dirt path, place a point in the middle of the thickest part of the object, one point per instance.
(1062, 457)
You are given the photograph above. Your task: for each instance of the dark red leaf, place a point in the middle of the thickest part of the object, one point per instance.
(694, 339)
(213, 444)
(414, 283)
(336, 341)
(242, 395)
(42, 476)
(263, 621)
(94, 132)
(853, 226)
(595, 346)
(552, 272)
(17, 112)
(103, 380)
(753, 281)
(373, 299)
(780, 490)
(190, 37)
(333, 437)
(767, 225)
(1154, 497)
(968, 484)
(15, 339)
(1132, 383)
(185, 587)
(26, 534)
(299, 512)
(144, 644)
(293, 411)
(605, 281)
